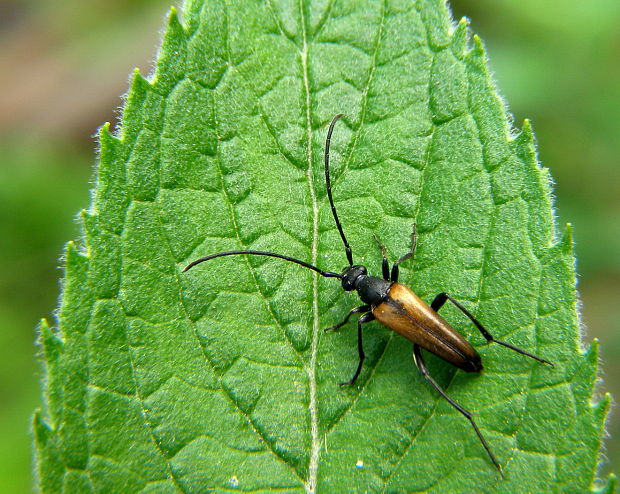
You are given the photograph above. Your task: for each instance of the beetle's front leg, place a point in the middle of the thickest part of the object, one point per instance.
(360, 347)
(361, 308)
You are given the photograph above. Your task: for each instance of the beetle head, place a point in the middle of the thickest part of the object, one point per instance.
(350, 275)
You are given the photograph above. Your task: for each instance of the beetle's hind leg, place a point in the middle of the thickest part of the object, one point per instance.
(441, 299)
(360, 347)
(421, 364)
(361, 308)
(408, 255)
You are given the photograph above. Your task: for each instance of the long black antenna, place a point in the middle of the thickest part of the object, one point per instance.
(347, 247)
(326, 274)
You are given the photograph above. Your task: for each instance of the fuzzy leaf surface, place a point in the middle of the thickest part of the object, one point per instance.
(221, 378)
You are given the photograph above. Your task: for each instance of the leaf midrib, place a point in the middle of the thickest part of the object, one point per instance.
(315, 447)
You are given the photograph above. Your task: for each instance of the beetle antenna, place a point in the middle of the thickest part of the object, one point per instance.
(329, 189)
(326, 274)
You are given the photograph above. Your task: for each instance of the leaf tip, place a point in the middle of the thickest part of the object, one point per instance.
(600, 409)
(612, 481)
(460, 37)
(105, 135)
(43, 433)
(47, 336)
(107, 145)
(71, 248)
(173, 18)
(592, 350)
(478, 45)
(105, 127)
(607, 486)
(44, 337)
(170, 65)
(138, 81)
(39, 427)
(567, 241)
(49, 468)
(527, 129)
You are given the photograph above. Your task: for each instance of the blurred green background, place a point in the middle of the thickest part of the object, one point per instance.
(64, 65)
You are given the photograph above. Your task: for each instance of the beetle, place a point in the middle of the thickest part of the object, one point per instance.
(394, 305)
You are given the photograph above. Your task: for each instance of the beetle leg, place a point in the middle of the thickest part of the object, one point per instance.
(360, 347)
(385, 268)
(385, 265)
(414, 242)
(361, 308)
(441, 299)
(421, 364)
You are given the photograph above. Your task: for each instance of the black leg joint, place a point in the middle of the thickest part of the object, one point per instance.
(356, 310)
(360, 347)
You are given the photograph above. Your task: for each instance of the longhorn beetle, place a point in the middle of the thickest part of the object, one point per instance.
(397, 307)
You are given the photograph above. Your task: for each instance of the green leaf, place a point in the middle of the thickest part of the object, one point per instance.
(221, 378)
